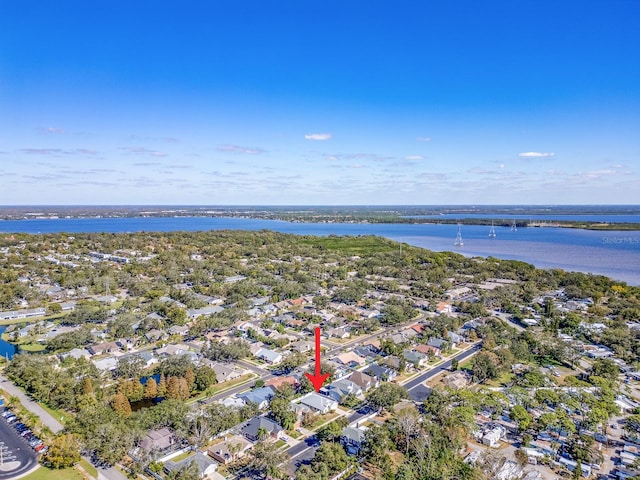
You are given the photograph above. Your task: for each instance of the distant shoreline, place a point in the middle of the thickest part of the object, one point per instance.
(355, 217)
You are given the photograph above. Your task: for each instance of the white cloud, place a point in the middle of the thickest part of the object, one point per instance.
(240, 149)
(423, 139)
(536, 154)
(318, 136)
(414, 157)
(53, 130)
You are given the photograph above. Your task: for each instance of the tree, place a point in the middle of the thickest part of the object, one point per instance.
(162, 386)
(484, 366)
(150, 388)
(189, 471)
(64, 451)
(120, 404)
(205, 377)
(407, 421)
(521, 417)
(265, 458)
(387, 395)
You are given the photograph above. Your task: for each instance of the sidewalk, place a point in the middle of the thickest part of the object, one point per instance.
(30, 405)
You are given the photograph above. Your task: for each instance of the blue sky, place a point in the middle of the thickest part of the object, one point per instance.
(320, 102)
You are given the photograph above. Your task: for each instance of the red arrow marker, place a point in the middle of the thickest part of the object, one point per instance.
(318, 379)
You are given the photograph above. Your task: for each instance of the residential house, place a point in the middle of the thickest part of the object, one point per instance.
(417, 359)
(148, 357)
(104, 364)
(381, 373)
(319, 403)
(76, 353)
(340, 388)
(170, 350)
(339, 332)
(262, 425)
(302, 346)
(230, 450)
(444, 308)
(154, 335)
(278, 382)
(206, 466)
(364, 381)
(159, 441)
(199, 312)
(438, 343)
(350, 359)
(353, 439)
(493, 436)
(455, 339)
(178, 330)
(428, 350)
(101, 348)
(224, 372)
(260, 396)
(269, 356)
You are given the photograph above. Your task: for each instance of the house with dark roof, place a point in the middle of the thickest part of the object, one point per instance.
(258, 425)
(381, 373)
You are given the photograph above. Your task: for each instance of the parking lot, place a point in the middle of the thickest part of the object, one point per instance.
(17, 456)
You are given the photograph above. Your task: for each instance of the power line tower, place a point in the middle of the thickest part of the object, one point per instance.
(458, 242)
(514, 226)
(107, 290)
(492, 231)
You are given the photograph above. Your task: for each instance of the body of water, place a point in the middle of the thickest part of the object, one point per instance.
(7, 350)
(612, 253)
(541, 217)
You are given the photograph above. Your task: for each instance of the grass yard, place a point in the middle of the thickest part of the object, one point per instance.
(182, 456)
(44, 473)
(87, 467)
(324, 419)
(280, 443)
(359, 245)
(32, 347)
(221, 387)
(502, 380)
(294, 434)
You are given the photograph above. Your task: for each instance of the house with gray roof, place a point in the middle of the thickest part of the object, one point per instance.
(206, 465)
(269, 356)
(256, 425)
(352, 439)
(319, 403)
(199, 312)
(260, 396)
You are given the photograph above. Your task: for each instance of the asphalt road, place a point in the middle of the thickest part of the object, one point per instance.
(17, 456)
(305, 450)
(416, 387)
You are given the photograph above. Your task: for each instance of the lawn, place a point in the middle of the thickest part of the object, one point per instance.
(32, 347)
(44, 473)
(280, 443)
(363, 245)
(294, 434)
(90, 469)
(502, 380)
(323, 419)
(221, 387)
(182, 456)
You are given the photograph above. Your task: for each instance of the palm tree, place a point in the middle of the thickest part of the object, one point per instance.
(262, 433)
